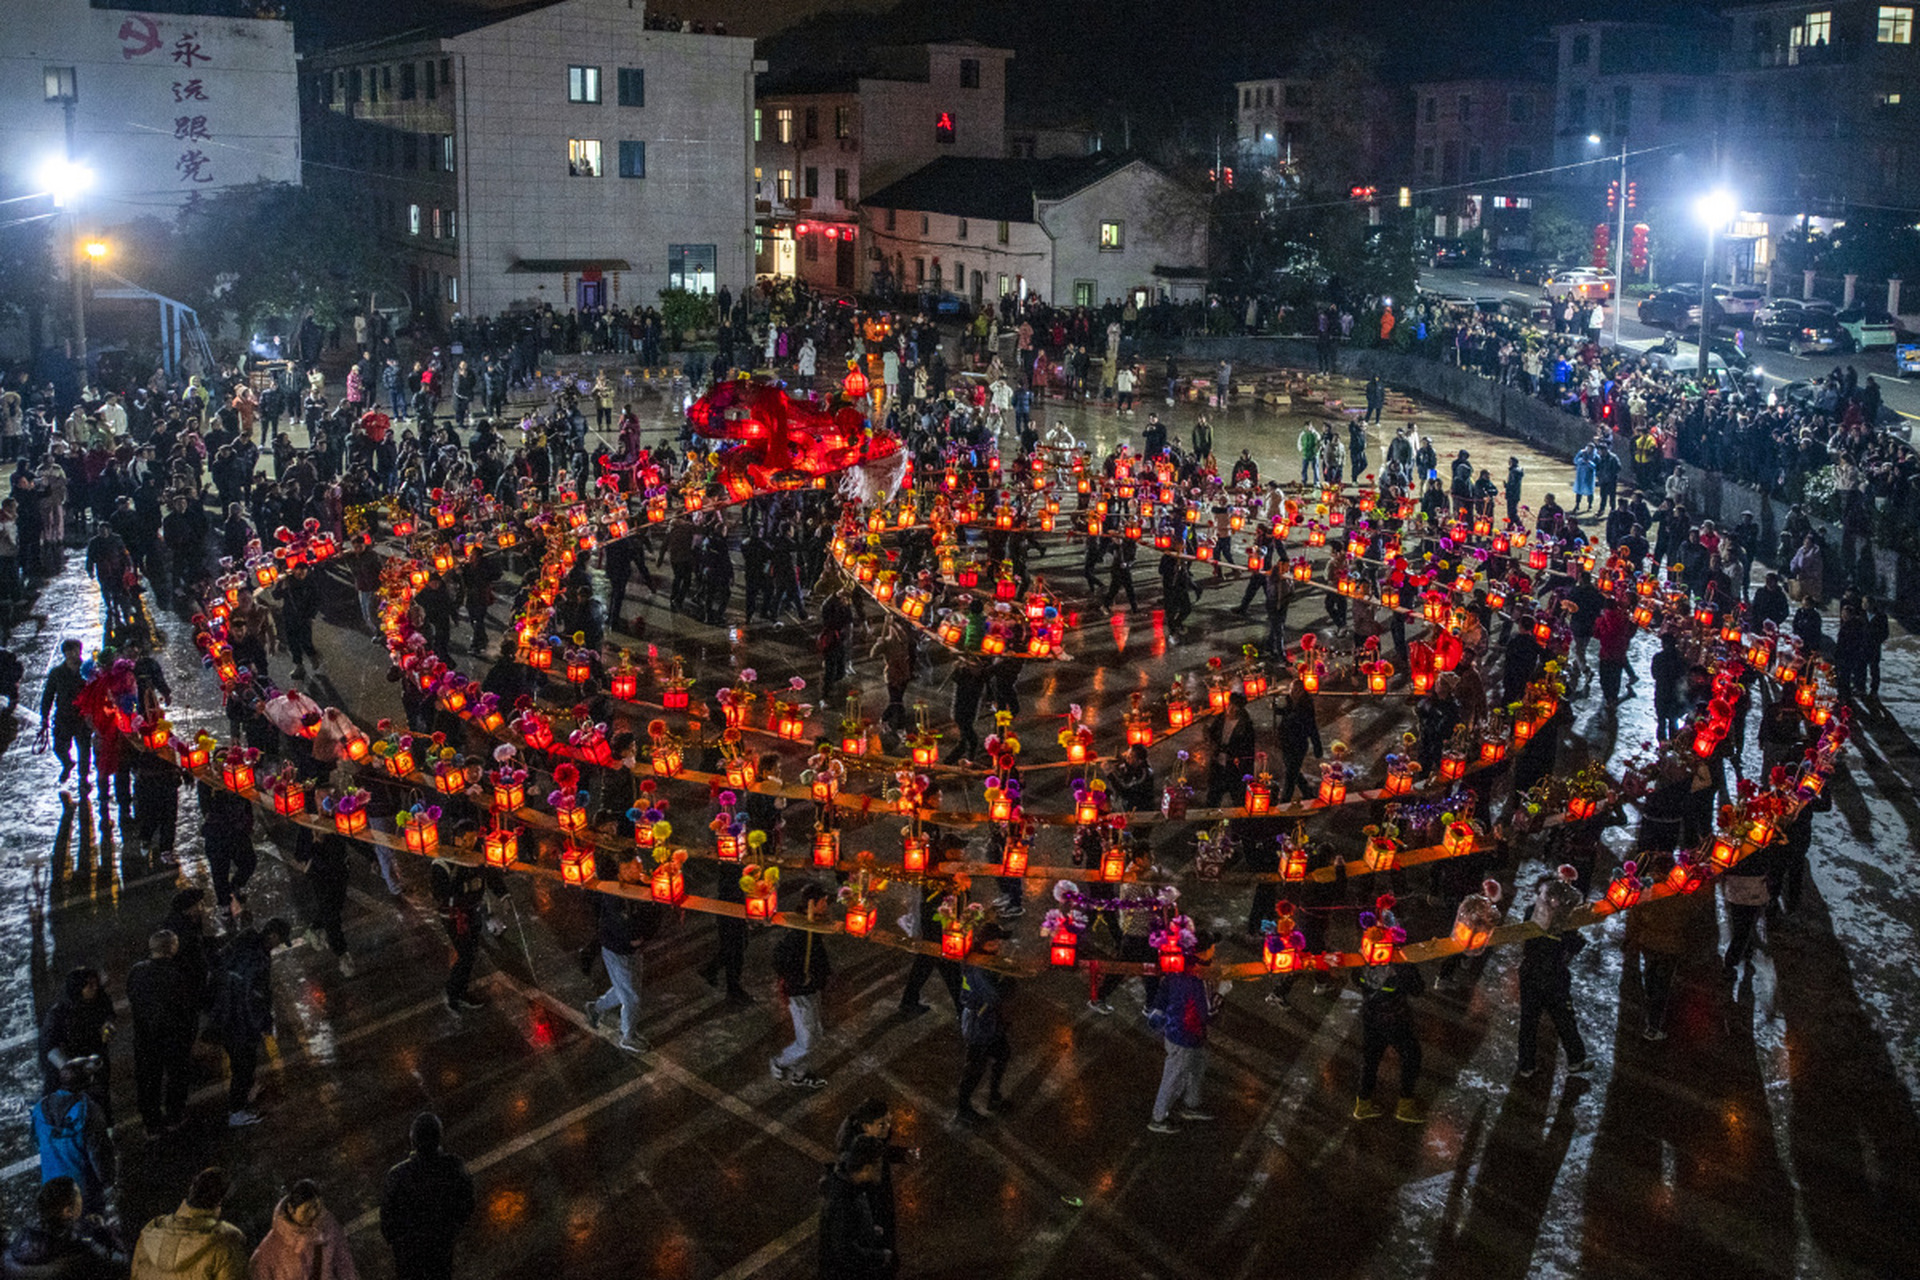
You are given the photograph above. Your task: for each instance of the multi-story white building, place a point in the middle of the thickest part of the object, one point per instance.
(562, 155)
(165, 106)
(821, 143)
(1077, 230)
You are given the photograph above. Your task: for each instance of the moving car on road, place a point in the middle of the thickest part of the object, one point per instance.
(1803, 331)
(1670, 309)
(1581, 285)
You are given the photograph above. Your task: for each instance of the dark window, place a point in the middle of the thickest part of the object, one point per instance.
(1473, 162)
(633, 87)
(892, 218)
(1426, 162)
(386, 82)
(969, 73)
(373, 84)
(409, 151)
(1577, 107)
(963, 228)
(432, 81)
(1246, 98)
(1581, 51)
(813, 123)
(408, 82)
(813, 183)
(633, 159)
(943, 127)
(1298, 95)
(446, 71)
(1432, 109)
(1677, 103)
(841, 185)
(1466, 107)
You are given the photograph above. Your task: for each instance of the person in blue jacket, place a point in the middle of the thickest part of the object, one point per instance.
(1180, 1013)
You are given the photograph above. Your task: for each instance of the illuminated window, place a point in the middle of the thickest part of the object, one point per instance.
(583, 84)
(943, 127)
(783, 124)
(583, 157)
(756, 124)
(1896, 24)
(1817, 29)
(413, 219)
(1886, 98)
(783, 184)
(434, 222)
(453, 288)
(843, 122)
(1111, 237)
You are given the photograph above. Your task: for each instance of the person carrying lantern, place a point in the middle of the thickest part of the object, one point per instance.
(1387, 992)
(983, 1024)
(1180, 1012)
(1546, 984)
(801, 963)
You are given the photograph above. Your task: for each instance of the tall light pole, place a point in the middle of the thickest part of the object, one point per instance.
(1619, 240)
(66, 180)
(1713, 209)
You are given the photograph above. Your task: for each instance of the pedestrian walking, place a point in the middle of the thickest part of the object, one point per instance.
(852, 1242)
(1387, 993)
(71, 1134)
(626, 926)
(460, 892)
(60, 1244)
(193, 1242)
(427, 1201)
(1180, 1013)
(983, 1023)
(164, 999)
(305, 1242)
(78, 1028)
(242, 1011)
(801, 964)
(1546, 984)
(1654, 941)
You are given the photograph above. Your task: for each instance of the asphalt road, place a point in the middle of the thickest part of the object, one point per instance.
(1780, 366)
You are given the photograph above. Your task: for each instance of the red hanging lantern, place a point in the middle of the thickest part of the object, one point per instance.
(1172, 959)
(669, 884)
(859, 920)
(1065, 948)
(499, 846)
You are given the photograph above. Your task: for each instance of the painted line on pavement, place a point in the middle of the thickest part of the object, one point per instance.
(773, 1250)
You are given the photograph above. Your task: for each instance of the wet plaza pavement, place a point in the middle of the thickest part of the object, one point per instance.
(1775, 1133)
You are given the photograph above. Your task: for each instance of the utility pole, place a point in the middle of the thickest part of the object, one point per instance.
(1620, 248)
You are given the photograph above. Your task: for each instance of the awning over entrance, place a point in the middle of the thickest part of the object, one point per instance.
(565, 266)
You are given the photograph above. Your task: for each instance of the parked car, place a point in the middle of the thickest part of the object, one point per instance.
(1581, 285)
(1779, 311)
(1906, 360)
(1868, 328)
(1685, 358)
(1739, 302)
(1670, 309)
(1808, 333)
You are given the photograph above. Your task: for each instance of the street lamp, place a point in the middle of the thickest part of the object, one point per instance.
(67, 178)
(1620, 239)
(1714, 209)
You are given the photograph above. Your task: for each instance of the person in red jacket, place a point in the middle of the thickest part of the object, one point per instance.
(1614, 630)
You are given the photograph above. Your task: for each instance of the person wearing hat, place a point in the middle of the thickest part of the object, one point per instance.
(983, 1022)
(801, 964)
(1180, 1012)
